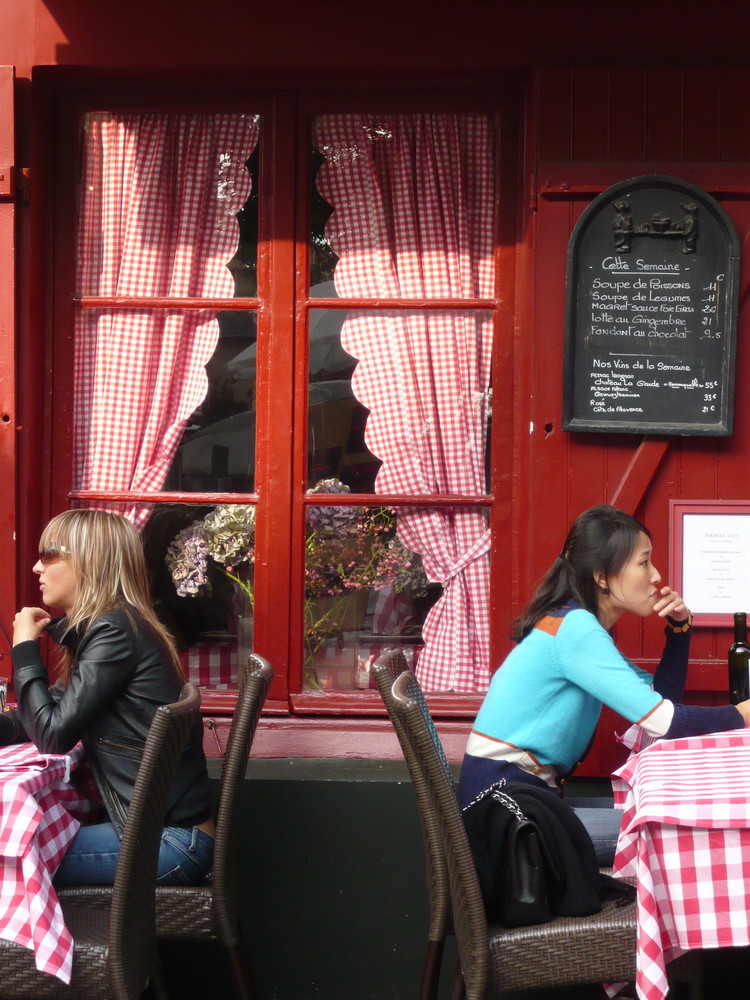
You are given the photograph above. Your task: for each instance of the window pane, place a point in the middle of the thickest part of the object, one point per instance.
(365, 592)
(159, 201)
(217, 448)
(403, 398)
(138, 377)
(337, 420)
(165, 399)
(201, 561)
(322, 258)
(402, 206)
(370, 581)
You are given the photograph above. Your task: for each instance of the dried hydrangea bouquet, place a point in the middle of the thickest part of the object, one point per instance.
(349, 551)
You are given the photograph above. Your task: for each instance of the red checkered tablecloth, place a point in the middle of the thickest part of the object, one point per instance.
(686, 838)
(38, 808)
(212, 665)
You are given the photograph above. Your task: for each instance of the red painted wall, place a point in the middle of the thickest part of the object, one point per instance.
(283, 36)
(611, 90)
(443, 37)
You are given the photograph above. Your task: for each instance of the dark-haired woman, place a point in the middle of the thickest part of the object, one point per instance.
(543, 704)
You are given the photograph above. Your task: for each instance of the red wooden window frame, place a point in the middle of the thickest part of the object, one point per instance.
(11, 180)
(283, 306)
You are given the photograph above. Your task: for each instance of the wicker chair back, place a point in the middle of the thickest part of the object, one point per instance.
(470, 922)
(255, 680)
(132, 921)
(385, 671)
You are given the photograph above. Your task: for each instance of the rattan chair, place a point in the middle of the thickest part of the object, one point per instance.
(115, 947)
(567, 951)
(385, 670)
(211, 911)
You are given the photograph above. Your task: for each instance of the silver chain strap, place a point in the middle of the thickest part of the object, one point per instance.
(498, 796)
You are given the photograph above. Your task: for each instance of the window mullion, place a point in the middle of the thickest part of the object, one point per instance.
(275, 391)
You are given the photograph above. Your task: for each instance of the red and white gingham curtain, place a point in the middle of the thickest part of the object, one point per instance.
(414, 199)
(159, 195)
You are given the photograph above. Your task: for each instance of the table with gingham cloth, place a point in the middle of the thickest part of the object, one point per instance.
(39, 806)
(685, 837)
(211, 664)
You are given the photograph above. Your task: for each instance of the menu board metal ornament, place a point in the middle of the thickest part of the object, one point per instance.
(651, 312)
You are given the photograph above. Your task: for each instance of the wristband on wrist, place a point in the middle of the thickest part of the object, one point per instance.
(680, 626)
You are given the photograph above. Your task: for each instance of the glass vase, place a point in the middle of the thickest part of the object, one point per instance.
(244, 627)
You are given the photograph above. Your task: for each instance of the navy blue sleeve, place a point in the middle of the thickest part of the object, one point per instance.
(671, 674)
(698, 720)
(669, 682)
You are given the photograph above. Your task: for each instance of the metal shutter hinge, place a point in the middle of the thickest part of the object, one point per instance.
(15, 182)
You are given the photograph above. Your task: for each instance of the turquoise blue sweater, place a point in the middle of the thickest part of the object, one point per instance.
(547, 696)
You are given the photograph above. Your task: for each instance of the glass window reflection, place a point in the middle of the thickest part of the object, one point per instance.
(201, 560)
(418, 369)
(365, 592)
(217, 450)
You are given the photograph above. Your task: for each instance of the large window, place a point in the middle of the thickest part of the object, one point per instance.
(283, 320)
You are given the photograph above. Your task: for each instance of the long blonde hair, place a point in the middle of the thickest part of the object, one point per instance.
(106, 555)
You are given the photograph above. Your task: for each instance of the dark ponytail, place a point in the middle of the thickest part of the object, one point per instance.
(600, 540)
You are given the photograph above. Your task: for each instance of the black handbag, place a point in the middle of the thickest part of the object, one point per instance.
(534, 858)
(509, 856)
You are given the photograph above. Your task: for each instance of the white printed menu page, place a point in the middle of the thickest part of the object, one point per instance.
(716, 562)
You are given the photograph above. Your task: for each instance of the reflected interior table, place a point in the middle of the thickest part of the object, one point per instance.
(212, 664)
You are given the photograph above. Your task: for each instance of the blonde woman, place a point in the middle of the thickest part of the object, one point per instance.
(118, 665)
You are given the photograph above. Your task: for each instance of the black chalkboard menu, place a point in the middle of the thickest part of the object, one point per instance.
(651, 313)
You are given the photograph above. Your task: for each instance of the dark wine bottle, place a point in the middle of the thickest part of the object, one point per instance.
(739, 661)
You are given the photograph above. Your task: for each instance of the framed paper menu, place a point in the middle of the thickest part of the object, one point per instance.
(710, 558)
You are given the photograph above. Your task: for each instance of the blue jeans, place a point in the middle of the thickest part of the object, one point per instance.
(602, 821)
(185, 856)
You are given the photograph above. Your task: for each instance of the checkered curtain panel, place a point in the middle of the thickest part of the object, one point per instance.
(414, 199)
(159, 195)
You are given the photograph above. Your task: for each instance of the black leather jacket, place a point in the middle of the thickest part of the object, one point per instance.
(121, 674)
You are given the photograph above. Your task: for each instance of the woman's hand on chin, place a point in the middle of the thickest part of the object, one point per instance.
(670, 603)
(29, 624)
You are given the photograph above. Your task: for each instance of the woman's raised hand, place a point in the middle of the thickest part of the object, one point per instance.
(670, 603)
(28, 624)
